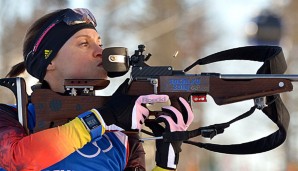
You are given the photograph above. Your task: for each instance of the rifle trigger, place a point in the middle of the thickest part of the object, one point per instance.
(199, 98)
(154, 82)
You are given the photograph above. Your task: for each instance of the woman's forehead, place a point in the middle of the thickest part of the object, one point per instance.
(91, 33)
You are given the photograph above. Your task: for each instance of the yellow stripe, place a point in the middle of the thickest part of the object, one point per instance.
(76, 132)
(156, 168)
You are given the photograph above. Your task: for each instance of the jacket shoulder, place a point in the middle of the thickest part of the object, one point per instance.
(8, 110)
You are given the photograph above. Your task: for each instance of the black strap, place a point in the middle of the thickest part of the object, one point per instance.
(270, 55)
(274, 63)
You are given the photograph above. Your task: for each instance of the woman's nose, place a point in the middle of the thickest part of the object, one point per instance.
(98, 51)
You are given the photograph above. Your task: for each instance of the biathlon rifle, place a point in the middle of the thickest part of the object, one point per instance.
(264, 87)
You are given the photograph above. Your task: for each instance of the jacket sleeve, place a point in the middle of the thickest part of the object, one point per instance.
(19, 151)
(136, 160)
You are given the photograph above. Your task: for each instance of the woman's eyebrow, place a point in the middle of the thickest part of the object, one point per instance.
(86, 35)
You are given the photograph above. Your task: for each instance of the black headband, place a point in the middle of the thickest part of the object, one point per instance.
(37, 63)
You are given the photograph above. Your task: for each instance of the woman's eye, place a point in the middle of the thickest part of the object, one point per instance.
(84, 43)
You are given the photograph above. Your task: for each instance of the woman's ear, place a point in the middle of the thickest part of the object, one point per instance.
(51, 66)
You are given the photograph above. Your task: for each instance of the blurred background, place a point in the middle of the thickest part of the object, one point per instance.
(194, 28)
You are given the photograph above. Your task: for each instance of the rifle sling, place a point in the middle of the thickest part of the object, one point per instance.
(207, 131)
(274, 63)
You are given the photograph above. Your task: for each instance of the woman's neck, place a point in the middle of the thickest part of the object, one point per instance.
(56, 84)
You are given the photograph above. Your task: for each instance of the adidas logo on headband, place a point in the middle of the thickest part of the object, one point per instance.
(47, 53)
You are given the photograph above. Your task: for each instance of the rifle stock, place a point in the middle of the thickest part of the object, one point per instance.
(57, 109)
(53, 109)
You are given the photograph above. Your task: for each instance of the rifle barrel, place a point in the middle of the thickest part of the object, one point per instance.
(292, 77)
